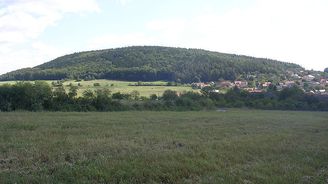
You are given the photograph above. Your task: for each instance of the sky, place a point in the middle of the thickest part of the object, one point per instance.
(36, 31)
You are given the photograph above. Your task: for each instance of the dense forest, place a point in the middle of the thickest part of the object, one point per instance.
(39, 96)
(151, 63)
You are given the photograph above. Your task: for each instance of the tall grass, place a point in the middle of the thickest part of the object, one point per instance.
(237, 146)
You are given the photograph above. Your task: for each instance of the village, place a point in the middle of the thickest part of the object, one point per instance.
(309, 81)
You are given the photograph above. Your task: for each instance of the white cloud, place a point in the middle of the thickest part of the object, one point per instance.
(124, 2)
(23, 57)
(21, 23)
(26, 19)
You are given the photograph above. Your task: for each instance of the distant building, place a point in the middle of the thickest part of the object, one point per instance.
(254, 90)
(308, 78)
(249, 89)
(323, 82)
(289, 84)
(215, 91)
(241, 84)
(199, 85)
(225, 84)
(322, 91)
(280, 86)
(296, 76)
(266, 84)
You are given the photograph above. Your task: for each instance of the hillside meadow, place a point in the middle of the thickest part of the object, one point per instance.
(157, 88)
(233, 146)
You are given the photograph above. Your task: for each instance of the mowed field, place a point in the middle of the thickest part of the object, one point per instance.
(237, 146)
(120, 86)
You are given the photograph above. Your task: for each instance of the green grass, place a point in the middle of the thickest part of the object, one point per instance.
(238, 146)
(120, 86)
(123, 87)
(7, 82)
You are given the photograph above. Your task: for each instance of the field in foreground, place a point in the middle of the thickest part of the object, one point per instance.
(237, 146)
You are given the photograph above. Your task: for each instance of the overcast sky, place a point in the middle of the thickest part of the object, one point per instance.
(36, 31)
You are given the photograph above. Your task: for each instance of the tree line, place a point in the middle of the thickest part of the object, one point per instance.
(39, 96)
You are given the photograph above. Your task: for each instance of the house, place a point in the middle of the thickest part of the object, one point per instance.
(290, 72)
(296, 76)
(214, 91)
(322, 91)
(289, 84)
(323, 82)
(249, 89)
(258, 91)
(254, 90)
(266, 84)
(308, 77)
(225, 84)
(199, 85)
(241, 84)
(280, 86)
(212, 83)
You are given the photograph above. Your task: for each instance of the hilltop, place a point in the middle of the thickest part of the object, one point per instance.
(152, 63)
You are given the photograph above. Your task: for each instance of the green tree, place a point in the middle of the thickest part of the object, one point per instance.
(291, 93)
(103, 101)
(72, 91)
(23, 95)
(272, 88)
(88, 94)
(118, 96)
(60, 95)
(135, 95)
(44, 96)
(169, 95)
(252, 84)
(207, 90)
(153, 97)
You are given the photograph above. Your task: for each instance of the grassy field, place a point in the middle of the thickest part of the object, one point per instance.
(120, 86)
(237, 146)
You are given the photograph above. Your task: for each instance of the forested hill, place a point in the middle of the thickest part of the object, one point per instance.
(150, 63)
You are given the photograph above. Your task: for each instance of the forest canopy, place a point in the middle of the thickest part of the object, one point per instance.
(151, 63)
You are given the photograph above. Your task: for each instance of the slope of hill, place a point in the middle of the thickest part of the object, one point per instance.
(151, 63)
